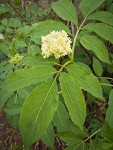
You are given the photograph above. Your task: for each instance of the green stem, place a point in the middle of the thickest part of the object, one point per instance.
(14, 8)
(88, 138)
(92, 135)
(74, 43)
(75, 38)
(106, 78)
(68, 62)
(69, 56)
(104, 84)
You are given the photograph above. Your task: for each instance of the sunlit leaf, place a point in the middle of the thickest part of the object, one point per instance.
(66, 10)
(94, 44)
(102, 29)
(37, 112)
(88, 6)
(27, 76)
(86, 80)
(102, 16)
(74, 99)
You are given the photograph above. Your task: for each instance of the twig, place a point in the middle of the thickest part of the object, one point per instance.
(72, 28)
(104, 84)
(106, 78)
(39, 5)
(91, 135)
(14, 8)
(36, 145)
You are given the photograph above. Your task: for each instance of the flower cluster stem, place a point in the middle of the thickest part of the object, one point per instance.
(68, 62)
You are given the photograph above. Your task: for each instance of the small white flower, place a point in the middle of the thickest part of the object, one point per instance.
(56, 43)
(1, 37)
(16, 59)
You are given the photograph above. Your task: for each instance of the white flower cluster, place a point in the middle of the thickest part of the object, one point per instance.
(16, 59)
(56, 43)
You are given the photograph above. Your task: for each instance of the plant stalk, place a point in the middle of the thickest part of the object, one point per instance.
(68, 62)
(75, 38)
(88, 138)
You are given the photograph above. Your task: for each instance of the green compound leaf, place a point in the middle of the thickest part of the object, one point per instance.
(27, 76)
(44, 28)
(66, 10)
(88, 6)
(102, 29)
(94, 44)
(74, 99)
(37, 112)
(102, 16)
(109, 113)
(86, 80)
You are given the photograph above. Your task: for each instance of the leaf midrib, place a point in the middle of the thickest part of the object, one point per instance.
(16, 82)
(72, 101)
(61, 119)
(41, 109)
